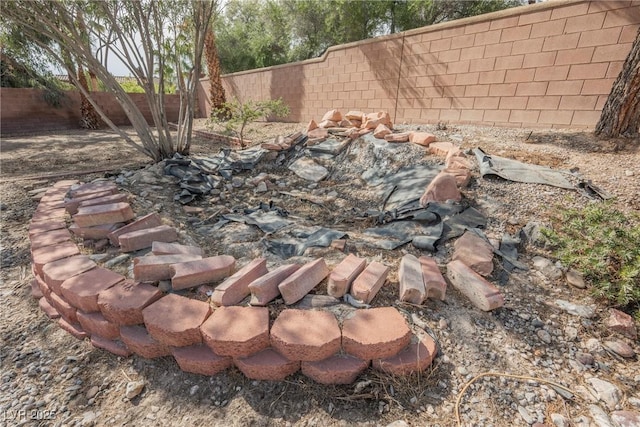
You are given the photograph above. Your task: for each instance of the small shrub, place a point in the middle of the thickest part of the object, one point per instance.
(604, 244)
(236, 115)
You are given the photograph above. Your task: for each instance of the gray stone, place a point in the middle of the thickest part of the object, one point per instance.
(599, 416)
(262, 187)
(526, 415)
(585, 358)
(576, 309)
(606, 392)
(575, 279)
(620, 348)
(307, 169)
(559, 420)
(626, 418)
(544, 336)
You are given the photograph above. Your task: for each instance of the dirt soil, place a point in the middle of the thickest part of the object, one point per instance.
(64, 381)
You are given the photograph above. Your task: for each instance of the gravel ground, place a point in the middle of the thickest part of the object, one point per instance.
(57, 380)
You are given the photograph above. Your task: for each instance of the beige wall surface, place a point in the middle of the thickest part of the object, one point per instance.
(546, 65)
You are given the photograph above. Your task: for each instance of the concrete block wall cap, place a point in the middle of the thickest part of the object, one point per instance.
(82, 290)
(207, 270)
(434, 282)
(237, 331)
(366, 286)
(344, 274)
(147, 221)
(375, 333)
(141, 343)
(265, 289)
(141, 239)
(305, 335)
(475, 252)
(199, 359)
(36, 292)
(152, 268)
(80, 190)
(267, 365)
(103, 214)
(124, 302)
(416, 357)
(337, 369)
(236, 288)
(175, 321)
(480, 292)
(48, 309)
(307, 277)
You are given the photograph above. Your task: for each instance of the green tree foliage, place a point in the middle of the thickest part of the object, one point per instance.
(261, 33)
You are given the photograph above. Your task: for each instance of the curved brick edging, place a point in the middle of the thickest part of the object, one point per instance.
(124, 316)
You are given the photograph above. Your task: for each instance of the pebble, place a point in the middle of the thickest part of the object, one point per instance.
(443, 324)
(526, 415)
(262, 187)
(576, 309)
(559, 420)
(193, 390)
(91, 393)
(606, 392)
(134, 388)
(620, 348)
(600, 416)
(585, 358)
(575, 279)
(544, 336)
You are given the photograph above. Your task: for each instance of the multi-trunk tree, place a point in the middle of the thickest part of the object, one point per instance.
(150, 37)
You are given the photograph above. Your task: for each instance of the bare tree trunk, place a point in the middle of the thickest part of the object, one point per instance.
(216, 90)
(621, 113)
(89, 119)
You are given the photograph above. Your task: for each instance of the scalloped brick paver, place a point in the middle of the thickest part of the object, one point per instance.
(175, 321)
(434, 283)
(97, 324)
(199, 359)
(337, 369)
(236, 288)
(41, 227)
(141, 239)
(165, 248)
(103, 214)
(48, 309)
(141, 343)
(116, 347)
(49, 215)
(56, 272)
(207, 270)
(94, 233)
(45, 290)
(52, 253)
(124, 302)
(36, 292)
(64, 308)
(475, 252)
(306, 335)
(416, 357)
(73, 328)
(81, 190)
(267, 365)
(265, 289)
(148, 221)
(482, 294)
(153, 268)
(369, 282)
(307, 277)
(49, 238)
(72, 205)
(344, 274)
(375, 333)
(105, 200)
(411, 280)
(82, 290)
(237, 331)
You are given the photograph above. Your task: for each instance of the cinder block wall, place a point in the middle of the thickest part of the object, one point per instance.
(26, 111)
(549, 65)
